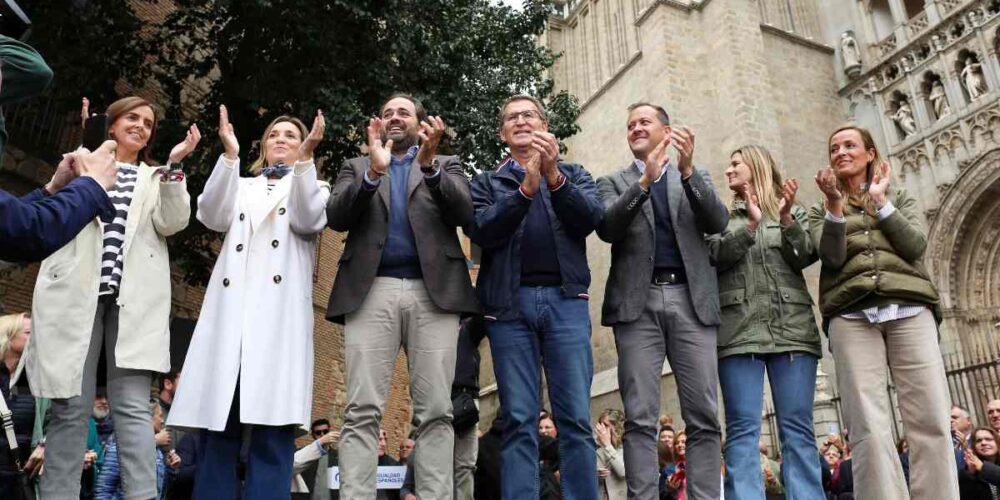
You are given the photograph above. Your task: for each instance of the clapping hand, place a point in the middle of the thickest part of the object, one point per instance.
(788, 190)
(227, 135)
(532, 175)
(185, 147)
(431, 132)
(753, 207)
(315, 135)
(379, 155)
(972, 462)
(880, 184)
(654, 164)
(602, 434)
(683, 139)
(547, 149)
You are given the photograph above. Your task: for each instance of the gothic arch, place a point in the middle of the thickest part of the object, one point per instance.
(963, 254)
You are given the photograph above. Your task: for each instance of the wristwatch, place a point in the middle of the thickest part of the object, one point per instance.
(430, 169)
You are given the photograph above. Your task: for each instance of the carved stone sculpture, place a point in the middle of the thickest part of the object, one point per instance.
(904, 118)
(973, 79)
(851, 55)
(939, 100)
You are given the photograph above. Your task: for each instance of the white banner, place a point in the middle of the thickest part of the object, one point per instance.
(387, 477)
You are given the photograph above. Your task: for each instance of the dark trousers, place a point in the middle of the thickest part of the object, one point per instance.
(268, 461)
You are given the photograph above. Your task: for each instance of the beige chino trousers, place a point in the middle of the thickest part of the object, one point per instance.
(908, 349)
(399, 313)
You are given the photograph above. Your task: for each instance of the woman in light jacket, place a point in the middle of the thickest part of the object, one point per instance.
(610, 460)
(110, 288)
(880, 309)
(251, 357)
(768, 326)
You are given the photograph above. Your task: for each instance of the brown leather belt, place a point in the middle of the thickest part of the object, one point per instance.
(669, 276)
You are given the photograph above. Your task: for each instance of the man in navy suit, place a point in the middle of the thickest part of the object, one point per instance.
(36, 225)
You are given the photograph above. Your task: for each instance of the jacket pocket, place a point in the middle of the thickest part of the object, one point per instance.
(797, 318)
(733, 312)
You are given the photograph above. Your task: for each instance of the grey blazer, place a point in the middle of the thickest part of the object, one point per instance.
(434, 215)
(632, 241)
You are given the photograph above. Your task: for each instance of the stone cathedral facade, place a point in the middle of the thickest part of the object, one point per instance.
(784, 74)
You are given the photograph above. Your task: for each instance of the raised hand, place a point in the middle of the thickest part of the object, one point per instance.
(84, 111)
(547, 148)
(826, 181)
(226, 134)
(683, 139)
(162, 438)
(880, 184)
(173, 460)
(185, 147)
(98, 164)
(753, 207)
(654, 164)
(315, 135)
(431, 132)
(602, 435)
(379, 154)
(972, 461)
(788, 190)
(532, 175)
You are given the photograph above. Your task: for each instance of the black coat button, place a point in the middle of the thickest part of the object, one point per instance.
(274, 243)
(242, 216)
(239, 248)
(281, 211)
(225, 282)
(277, 278)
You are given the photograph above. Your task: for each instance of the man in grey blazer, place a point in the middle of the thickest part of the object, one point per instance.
(662, 297)
(402, 282)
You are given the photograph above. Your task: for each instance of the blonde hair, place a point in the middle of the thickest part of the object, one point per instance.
(860, 199)
(766, 177)
(261, 161)
(10, 325)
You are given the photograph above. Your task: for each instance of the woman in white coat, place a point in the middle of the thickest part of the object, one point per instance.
(251, 357)
(110, 287)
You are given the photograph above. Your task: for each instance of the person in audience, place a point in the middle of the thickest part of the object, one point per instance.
(15, 332)
(993, 414)
(109, 479)
(980, 478)
(405, 450)
(881, 310)
(310, 463)
(676, 483)
(610, 462)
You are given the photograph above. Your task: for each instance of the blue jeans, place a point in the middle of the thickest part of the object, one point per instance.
(793, 383)
(554, 332)
(268, 461)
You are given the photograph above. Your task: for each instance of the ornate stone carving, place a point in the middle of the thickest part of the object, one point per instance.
(903, 116)
(850, 54)
(939, 100)
(973, 79)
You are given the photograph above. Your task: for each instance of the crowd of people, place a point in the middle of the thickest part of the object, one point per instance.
(716, 290)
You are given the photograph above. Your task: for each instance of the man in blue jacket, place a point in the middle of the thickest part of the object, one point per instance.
(36, 225)
(532, 217)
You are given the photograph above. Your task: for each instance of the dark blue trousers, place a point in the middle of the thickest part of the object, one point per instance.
(268, 473)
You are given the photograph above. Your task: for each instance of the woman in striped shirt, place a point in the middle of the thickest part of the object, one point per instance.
(110, 288)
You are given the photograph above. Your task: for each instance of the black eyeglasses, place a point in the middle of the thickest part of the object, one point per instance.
(320, 432)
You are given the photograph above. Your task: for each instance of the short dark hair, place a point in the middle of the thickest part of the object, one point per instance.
(660, 112)
(522, 97)
(319, 422)
(417, 105)
(170, 375)
(666, 428)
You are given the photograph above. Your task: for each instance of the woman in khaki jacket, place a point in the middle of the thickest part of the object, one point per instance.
(879, 306)
(110, 287)
(768, 326)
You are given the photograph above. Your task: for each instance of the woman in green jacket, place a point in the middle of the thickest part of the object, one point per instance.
(879, 307)
(768, 325)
